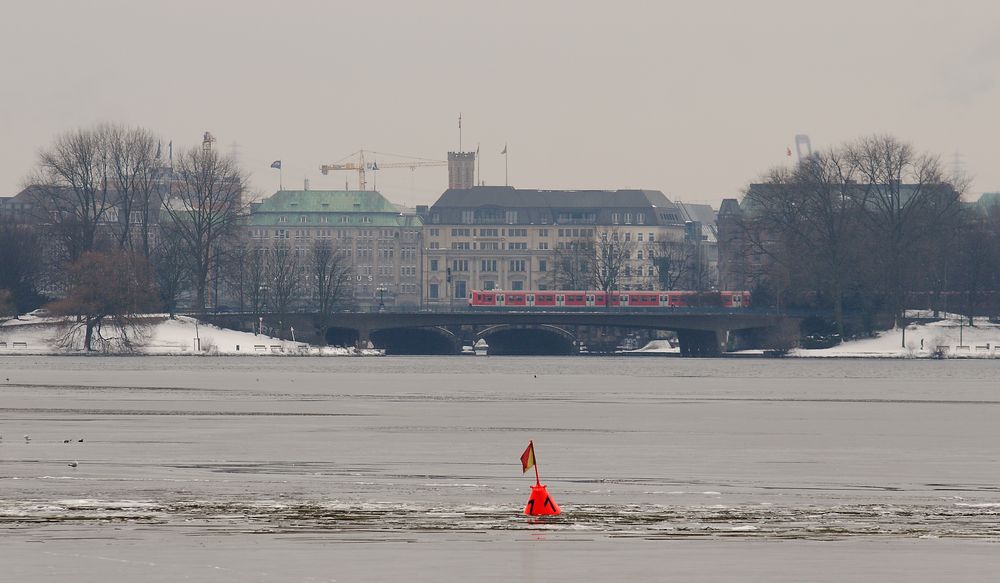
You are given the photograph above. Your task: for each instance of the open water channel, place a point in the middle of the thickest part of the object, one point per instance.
(406, 469)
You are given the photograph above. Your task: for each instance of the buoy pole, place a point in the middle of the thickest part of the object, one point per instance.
(537, 481)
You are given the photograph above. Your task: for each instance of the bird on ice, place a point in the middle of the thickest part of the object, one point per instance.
(27, 438)
(73, 464)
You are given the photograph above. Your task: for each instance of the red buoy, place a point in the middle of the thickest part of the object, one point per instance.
(540, 503)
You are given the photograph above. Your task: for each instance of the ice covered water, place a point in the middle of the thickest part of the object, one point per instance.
(346, 469)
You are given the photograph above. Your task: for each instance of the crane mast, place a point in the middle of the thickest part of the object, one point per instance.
(361, 166)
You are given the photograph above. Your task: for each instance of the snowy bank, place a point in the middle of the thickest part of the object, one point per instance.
(951, 337)
(655, 347)
(163, 336)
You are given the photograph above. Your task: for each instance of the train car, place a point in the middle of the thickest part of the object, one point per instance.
(541, 299)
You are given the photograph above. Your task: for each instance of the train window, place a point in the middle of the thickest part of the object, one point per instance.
(559, 298)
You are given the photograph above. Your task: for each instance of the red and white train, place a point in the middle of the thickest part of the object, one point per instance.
(614, 299)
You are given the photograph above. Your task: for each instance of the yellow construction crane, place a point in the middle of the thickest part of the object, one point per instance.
(361, 166)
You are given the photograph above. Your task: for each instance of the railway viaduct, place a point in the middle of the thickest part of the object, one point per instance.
(701, 331)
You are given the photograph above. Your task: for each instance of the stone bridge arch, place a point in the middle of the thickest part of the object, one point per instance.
(522, 339)
(425, 340)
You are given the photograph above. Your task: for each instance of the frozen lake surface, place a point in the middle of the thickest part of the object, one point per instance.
(311, 469)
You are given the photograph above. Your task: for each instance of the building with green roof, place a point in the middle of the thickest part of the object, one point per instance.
(383, 244)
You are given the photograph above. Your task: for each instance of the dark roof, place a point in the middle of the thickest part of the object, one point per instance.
(552, 206)
(507, 196)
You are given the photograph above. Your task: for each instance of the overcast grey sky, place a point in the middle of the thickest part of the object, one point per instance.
(694, 99)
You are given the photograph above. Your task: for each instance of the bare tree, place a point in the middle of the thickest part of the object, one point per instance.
(612, 255)
(108, 294)
(977, 258)
(908, 203)
(171, 268)
(71, 188)
(814, 209)
(674, 265)
(7, 307)
(573, 265)
(329, 271)
(20, 264)
(254, 280)
(205, 208)
(134, 165)
(283, 277)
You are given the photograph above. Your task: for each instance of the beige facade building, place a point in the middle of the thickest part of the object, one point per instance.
(500, 237)
(382, 244)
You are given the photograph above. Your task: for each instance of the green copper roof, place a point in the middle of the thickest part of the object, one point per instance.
(361, 209)
(325, 201)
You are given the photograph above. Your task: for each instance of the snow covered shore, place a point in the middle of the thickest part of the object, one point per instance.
(164, 336)
(951, 337)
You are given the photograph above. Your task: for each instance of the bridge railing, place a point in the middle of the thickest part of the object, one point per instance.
(466, 309)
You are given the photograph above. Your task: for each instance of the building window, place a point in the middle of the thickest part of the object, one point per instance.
(488, 265)
(640, 218)
(303, 219)
(543, 245)
(460, 292)
(517, 246)
(468, 217)
(543, 265)
(517, 265)
(543, 232)
(490, 246)
(434, 264)
(638, 254)
(638, 237)
(650, 237)
(517, 285)
(460, 265)
(462, 246)
(489, 284)
(615, 218)
(628, 218)
(366, 219)
(345, 219)
(517, 232)
(489, 232)
(432, 291)
(511, 217)
(461, 233)
(282, 219)
(435, 232)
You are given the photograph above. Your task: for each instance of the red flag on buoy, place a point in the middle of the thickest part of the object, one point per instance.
(539, 503)
(528, 457)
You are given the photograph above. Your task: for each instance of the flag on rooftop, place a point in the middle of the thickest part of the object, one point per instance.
(528, 457)
(276, 164)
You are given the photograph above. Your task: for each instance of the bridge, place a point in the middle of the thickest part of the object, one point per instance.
(701, 331)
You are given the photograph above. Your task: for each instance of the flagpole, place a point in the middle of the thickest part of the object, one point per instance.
(506, 167)
(281, 183)
(537, 481)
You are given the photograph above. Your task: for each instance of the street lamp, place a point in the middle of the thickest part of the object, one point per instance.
(381, 297)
